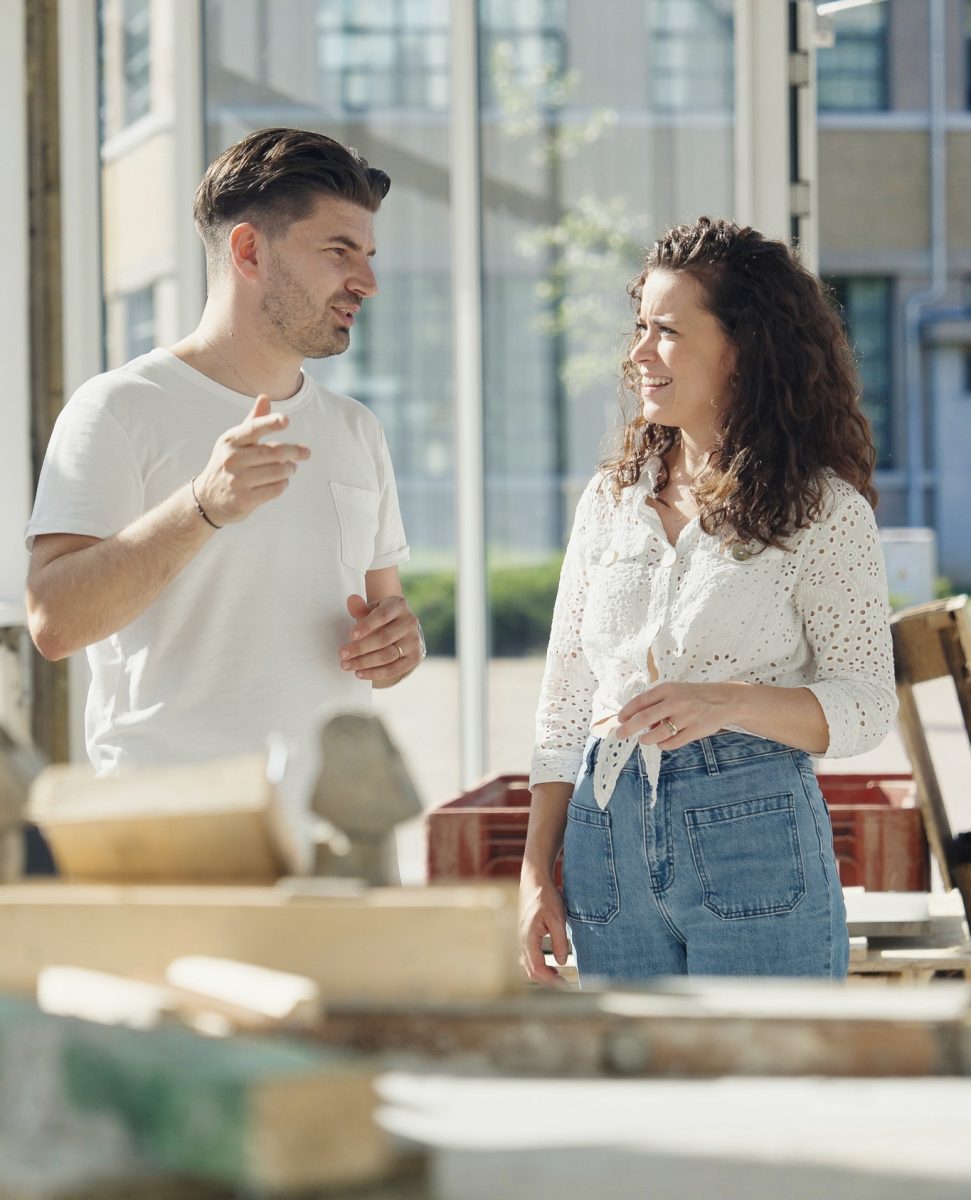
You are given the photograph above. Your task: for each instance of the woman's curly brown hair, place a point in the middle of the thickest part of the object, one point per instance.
(794, 412)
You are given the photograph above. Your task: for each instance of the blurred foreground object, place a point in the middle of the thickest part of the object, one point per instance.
(225, 821)
(201, 823)
(19, 766)
(91, 1104)
(364, 791)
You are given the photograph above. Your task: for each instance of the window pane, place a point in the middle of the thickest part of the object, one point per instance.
(967, 53)
(852, 74)
(126, 54)
(866, 311)
(690, 59)
(137, 58)
(383, 56)
(139, 322)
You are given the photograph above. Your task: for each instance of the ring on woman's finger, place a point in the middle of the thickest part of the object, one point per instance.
(671, 725)
(401, 652)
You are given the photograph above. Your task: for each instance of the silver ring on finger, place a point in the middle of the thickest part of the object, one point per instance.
(671, 725)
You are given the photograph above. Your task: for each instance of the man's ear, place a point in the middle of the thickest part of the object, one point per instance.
(247, 247)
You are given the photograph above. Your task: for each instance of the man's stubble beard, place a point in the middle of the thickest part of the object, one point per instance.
(289, 310)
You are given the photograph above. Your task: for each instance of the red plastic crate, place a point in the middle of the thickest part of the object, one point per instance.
(878, 831)
(481, 834)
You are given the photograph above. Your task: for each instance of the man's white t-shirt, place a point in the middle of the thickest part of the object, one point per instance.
(244, 641)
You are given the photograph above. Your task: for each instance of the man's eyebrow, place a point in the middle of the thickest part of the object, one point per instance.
(343, 240)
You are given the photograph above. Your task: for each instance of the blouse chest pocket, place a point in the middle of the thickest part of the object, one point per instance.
(756, 589)
(357, 513)
(621, 546)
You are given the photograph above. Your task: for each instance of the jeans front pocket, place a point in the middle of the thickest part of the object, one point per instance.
(747, 856)
(589, 879)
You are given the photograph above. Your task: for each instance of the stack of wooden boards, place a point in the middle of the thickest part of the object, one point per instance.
(376, 980)
(82, 1101)
(176, 934)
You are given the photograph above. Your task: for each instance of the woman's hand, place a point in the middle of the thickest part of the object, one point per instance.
(541, 911)
(670, 715)
(791, 715)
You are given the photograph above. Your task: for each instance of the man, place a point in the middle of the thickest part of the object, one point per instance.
(231, 565)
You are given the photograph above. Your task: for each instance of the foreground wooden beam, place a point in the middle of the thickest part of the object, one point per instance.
(382, 943)
(698, 1029)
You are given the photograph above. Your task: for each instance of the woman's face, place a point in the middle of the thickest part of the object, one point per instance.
(683, 356)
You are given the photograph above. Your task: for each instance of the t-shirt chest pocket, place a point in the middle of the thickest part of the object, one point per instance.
(357, 513)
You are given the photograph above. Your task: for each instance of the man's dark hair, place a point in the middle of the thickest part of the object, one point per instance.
(273, 177)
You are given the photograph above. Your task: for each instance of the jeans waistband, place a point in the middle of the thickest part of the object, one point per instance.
(708, 754)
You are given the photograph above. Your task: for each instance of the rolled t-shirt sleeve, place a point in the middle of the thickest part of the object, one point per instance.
(90, 482)
(390, 543)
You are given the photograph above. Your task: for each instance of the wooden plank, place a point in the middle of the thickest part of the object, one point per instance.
(255, 996)
(955, 648)
(49, 681)
(685, 1031)
(208, 822)
(264, 1114)
(937, 823)
(450, 942)
(916, 632)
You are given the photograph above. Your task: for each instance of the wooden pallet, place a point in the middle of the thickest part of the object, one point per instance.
(933, 641)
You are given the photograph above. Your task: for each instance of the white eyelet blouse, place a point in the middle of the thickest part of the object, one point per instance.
(814, 615)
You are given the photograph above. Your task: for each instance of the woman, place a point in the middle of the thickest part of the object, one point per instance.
(721, 616)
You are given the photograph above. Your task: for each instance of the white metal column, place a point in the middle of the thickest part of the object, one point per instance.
(80, 246)
(766, 64)
(466, 231)
(14, 312)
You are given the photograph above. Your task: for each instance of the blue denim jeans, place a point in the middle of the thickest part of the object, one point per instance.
(730, 872)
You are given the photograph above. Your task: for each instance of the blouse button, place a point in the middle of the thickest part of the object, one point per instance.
(609, 556)
(669, 557)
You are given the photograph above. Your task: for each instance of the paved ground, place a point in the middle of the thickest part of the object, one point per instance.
(422, 717)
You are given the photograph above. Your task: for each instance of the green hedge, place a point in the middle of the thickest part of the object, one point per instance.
(520, 607)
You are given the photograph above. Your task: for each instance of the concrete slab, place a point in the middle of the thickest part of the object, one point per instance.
(755, 1139)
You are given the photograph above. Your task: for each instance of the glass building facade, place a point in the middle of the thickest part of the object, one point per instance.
(598, 126)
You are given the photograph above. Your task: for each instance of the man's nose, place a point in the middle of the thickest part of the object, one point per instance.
(363, 281)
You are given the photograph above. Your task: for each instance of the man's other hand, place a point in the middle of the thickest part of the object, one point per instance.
(385, 642)
(243, 471)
